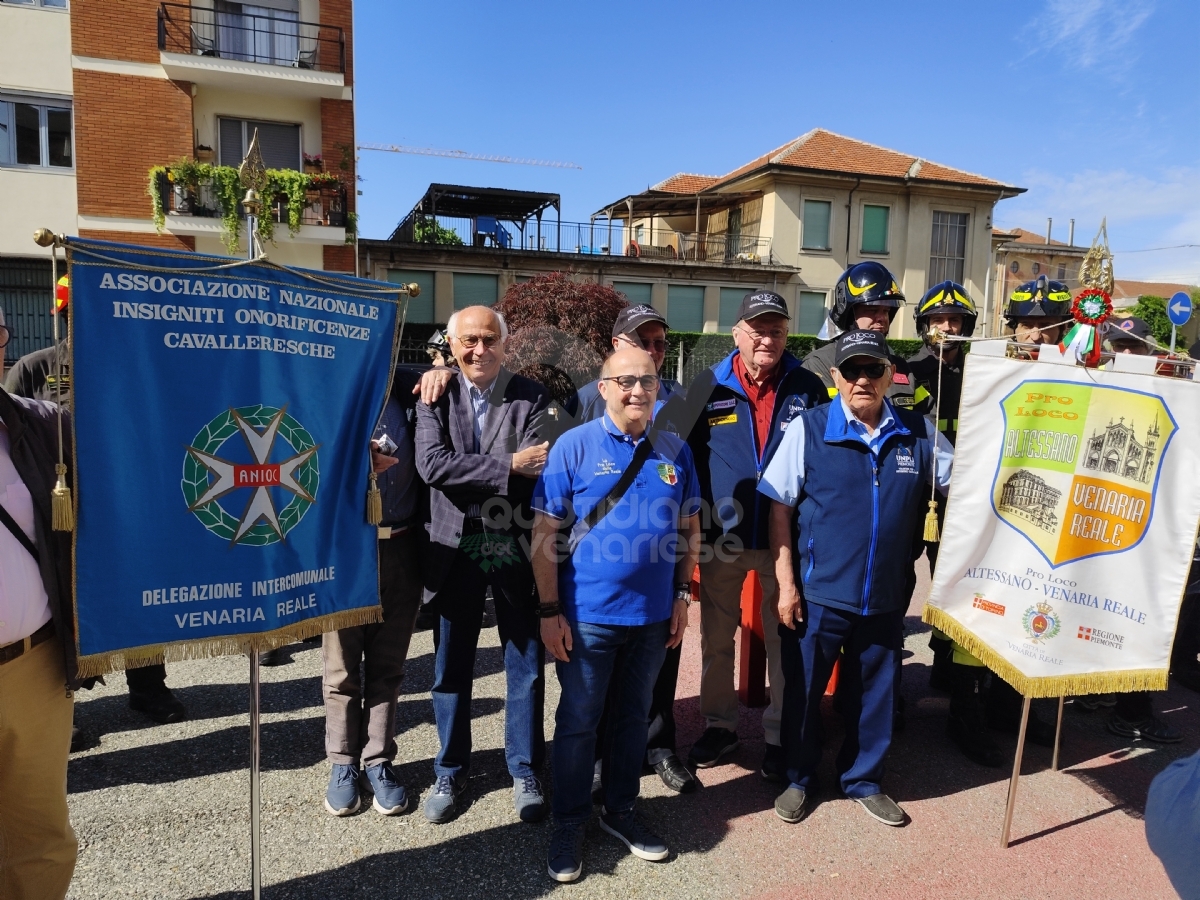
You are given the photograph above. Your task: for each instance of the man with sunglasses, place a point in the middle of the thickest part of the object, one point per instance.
(478, 450)
(613, 589)
(638, 326)
(848, 489)
(735, 415)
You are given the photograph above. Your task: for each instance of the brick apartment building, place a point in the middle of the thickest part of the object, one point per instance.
(93, 93)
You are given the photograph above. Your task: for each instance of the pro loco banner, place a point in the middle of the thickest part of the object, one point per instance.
(1071, 524)
(222, 414)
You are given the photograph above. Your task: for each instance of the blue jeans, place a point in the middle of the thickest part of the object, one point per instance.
(459, 603)
(630, 657)
(869, 647)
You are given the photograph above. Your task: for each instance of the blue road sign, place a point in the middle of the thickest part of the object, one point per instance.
(1179, 308)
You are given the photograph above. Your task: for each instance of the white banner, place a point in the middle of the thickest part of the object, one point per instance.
(1071, 524)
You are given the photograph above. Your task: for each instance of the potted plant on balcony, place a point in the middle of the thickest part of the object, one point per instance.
(313, 165)
(204, 153)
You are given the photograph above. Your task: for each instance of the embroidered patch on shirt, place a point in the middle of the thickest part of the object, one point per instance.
(722, 420)
(721, 404)
(667, 473)
(607, 467)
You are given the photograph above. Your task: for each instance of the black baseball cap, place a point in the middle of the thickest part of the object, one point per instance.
(633, 317)
(860, 343)
(759, 303)
(1131, 328)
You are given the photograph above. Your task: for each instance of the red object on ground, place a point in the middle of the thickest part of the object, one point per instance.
(752, 649)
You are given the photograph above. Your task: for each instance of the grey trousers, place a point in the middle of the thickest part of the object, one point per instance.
(360, 714)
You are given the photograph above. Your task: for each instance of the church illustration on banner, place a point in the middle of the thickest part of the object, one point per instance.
(1117, 451)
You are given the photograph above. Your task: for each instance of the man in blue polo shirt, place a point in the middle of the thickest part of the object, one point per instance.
(613, 596)
(849, 487)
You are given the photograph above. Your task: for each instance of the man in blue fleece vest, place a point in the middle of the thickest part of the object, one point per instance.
(849, 486)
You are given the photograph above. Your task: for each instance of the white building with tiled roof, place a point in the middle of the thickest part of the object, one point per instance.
(815, 205)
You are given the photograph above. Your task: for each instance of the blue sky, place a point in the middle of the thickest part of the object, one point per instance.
(1094, 105)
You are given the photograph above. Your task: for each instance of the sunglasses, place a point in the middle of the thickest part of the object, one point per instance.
(471, 341)
(853, 371)
(626, 382)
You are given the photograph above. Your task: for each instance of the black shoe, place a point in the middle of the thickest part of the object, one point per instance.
(159, 704)
(967, 725)
(940, 677)
(272, 658)
(81, 740)
(1150, 728)
(427, 618)
(774, 765)
(675, 775)
(713, 744)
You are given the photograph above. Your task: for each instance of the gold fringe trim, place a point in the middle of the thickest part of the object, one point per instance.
(62, 510)
(931, 526)
(232, 645)
(1121, 681)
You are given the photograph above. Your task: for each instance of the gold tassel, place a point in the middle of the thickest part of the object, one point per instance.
(931, 526)
(61, 508)
(374, 502)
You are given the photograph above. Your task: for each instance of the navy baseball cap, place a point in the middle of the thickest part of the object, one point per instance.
(860, 343)
(759, 303)
(1126, 329)
(633, 317)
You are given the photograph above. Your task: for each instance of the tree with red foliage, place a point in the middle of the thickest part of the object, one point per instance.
(560, 330)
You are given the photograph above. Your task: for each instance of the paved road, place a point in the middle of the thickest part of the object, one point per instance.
(161, 812)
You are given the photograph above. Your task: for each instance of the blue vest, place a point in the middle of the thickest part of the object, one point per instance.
(859, 515)
(720, 429)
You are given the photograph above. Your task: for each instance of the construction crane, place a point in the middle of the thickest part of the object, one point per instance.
(463, 154)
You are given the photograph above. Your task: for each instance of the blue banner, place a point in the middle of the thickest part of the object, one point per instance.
(222, 416)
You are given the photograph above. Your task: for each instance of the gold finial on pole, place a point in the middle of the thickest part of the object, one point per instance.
(252, 174)
(1096, 270)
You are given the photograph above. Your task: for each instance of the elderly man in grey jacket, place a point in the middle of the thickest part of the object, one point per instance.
(478, 450)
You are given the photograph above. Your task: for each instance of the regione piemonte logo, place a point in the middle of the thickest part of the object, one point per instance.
(235, 490)
(1079, 466)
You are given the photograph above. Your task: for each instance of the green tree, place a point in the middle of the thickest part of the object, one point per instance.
(1153, 311)
(428, 231)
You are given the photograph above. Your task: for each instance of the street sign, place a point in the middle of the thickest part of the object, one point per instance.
(1179, 308)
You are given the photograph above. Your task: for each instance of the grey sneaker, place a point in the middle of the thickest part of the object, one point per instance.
(528, 799)
(789, 805)
(883, 808)
(564, 860)
(641, 841)
(440, 805)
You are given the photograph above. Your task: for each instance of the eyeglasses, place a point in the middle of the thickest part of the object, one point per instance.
(853, 371)
(658, 344)
(5, 336)
(470, 341)
(649, 383)
(775, 334)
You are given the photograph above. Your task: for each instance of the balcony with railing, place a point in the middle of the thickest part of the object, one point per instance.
(597, 238)
(198, 209)
(225, 45)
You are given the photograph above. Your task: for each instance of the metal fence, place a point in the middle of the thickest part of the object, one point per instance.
(26, 294)
(593, 238)
(273, 37)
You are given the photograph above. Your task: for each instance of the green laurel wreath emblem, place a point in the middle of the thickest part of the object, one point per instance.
(196, 477)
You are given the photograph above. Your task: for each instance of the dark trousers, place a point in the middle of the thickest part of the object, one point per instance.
(660, 742)
(459, 604)
(360, 713)
(868, 647)
(146, 679)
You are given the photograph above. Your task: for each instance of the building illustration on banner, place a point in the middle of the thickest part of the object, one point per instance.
(1117, 451)
(1076, 477)
(1027, 496)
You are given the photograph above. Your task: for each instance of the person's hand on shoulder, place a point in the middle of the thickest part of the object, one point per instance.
(433, 384)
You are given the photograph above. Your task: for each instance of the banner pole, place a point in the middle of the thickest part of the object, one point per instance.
(1012, 785)
(1057, 734)
(255, 793)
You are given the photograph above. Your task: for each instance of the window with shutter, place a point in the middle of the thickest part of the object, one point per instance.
(279, 142)
(685, 307)
(875, 228)
(810, 312)
(475, 289)
(420, 307)
(816, 224)
(731, 299)
(635, 292)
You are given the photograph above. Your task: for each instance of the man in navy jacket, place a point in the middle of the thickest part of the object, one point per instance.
(736, 414)
(848, 486)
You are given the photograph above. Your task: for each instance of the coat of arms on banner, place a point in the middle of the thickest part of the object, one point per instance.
(1079, 468)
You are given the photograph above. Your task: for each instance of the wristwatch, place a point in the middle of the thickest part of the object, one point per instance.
(684, 592)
